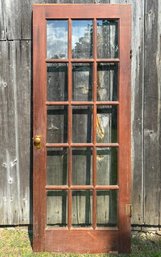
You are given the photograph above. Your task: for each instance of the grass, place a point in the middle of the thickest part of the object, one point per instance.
(16, 243)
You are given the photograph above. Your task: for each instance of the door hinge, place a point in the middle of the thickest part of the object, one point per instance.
(130, 54)
(129, 210)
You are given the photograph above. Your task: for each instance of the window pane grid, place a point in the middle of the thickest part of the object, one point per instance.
(70, 103)
(94, 218)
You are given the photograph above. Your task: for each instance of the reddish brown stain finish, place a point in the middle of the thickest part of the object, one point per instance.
(85, 241)
(69, 239)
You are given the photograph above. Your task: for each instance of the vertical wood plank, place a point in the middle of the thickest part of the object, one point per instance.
(2, 21)
(137, 92)
(137, 102)
(23, 80)
(152, 117)
(15, 132)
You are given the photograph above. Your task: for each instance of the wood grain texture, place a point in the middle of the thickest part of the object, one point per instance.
(137, 102)
(152, 117)
(137, 93)
(107, 243)
(15, 132)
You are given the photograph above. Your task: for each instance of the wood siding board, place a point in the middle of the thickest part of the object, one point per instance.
(2, 21)
(159, 105)
(137, 94)
(23, 72)
(151, 115)
(15, 182)
(8, 151)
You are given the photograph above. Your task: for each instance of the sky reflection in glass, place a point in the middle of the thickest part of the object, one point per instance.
(57, 39)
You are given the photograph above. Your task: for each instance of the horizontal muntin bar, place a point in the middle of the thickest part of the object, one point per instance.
(105, 60)
(57, 61)
(109, 60)
(57, 145)
(82, 187)
(107, 145)
(50, 103)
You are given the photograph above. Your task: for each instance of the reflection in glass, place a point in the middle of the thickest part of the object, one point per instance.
(107, 82)
(57, 162)
(106, 208)
(106, 124)
(107, 38)
(82, 82)
(82, 166)
(57, 124)
(82, 124)
(82, 38)
(57, 81)
(81, 208)
(57, 208)
(106, 166)
(57, 39)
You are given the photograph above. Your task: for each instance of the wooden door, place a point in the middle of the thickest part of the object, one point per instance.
(81, 106)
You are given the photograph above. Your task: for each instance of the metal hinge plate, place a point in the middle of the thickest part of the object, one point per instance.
(129, 210)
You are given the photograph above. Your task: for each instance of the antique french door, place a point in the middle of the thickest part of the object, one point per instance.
(81, 133)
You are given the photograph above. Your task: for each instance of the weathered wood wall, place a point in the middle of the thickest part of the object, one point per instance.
(16, 112)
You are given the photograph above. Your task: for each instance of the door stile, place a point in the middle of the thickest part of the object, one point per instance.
(39, 128)
(124, 130)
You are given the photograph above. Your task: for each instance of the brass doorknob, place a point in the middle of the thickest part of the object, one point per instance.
(37, 141)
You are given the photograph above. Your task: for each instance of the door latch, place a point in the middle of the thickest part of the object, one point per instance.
(37, 141)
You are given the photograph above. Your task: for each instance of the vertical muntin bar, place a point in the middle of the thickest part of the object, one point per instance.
(69, 122)
(94, 116)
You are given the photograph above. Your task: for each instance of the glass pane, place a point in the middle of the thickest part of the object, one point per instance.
(82, 124)
(106, 208)
(57, 160)
(57, 39)
(82, 38)
(57, 124)
(107, 38)
(107, 82)
(106, 166)
(106, 124)
(57, 208)
(82, 82)
(82, 166)
(57, 81)
(81, 208)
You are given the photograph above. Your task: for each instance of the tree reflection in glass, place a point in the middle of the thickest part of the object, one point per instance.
(82, 38)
